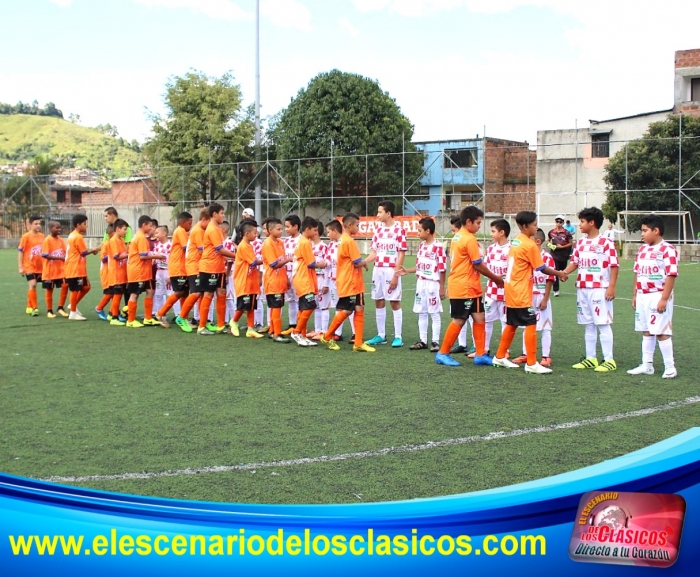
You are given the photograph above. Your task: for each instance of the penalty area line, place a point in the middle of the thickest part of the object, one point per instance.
(381, 452)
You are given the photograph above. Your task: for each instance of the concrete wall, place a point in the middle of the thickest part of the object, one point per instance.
(687, 67)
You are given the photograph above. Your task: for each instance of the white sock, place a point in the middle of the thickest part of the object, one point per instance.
(212, 309)
(352, 322)
(325, 319)
(462, 339)
(546, 342)
(381, 322)
(317, 320)
(666, 348)
(489, 333)
(230, 309)
(606, 341)
(398, 323)
(176, 308)
(293, 312)
(591, 338)
(269, 317)
(471, 328)
(339, 330)
(259, 312)
(648, 346)
(423, 327)
(437, 325)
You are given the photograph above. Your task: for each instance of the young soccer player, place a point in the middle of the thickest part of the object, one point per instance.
(259, 315)
(212, 273)
(30, 263)
(291, 224)
(305, 280)
(464, 289)
(524, 259)
(104, 275)
(193, 254)
(595, 257)
(177, 271)
(461, 346)
(116, 270)
(351, 287)
(655, 272)
(163, 288)
(323, 297)
(76, 267)
(335, 230)
(496, 260)
(430, 286)
(387, 251)
(275, 277)
(139, 274)
(53, 251)
(541, 293)
(111, 215)
(247, 280)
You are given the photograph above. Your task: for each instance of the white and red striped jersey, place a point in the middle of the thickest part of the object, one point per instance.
(290, 245)
(653, 264)
(388, 242)
(163, 248)
(496, 260)
(594, 258)
(539, 279)
(230, 246)
(257, 245)
(332, 260)
(431, 260)
(320, 251)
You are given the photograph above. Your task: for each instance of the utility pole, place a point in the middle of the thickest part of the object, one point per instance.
(258, 192)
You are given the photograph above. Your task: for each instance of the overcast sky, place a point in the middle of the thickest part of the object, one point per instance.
(453, 66)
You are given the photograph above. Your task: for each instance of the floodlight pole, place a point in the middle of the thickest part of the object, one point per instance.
(258, 195)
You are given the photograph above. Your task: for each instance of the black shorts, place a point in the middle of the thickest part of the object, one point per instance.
(136, 288)
(78, 283)
(193, 282)
(209, 282)
(107, 291)
(275, 301)
(521, 317)
(179, 284)
(118, 289)
(52, 284)
(464, 308)
(307, 302)
(349, 303)
(246, 303)
(34, 276)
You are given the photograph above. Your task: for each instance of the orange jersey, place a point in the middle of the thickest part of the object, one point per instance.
(104, 265)
(524, 258)
(30, 247)
(75, 256)
(138, 270)
(349, 280)
(212, 262)
(246, 279)
(195, 246)
(464, 282)
(56, 247)
(176, 260)
(116, 268)
(274, 279)
(304, 278)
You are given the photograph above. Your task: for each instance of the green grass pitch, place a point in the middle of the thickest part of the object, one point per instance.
(87, 399)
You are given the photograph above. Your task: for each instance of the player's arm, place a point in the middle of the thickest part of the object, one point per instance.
(484, 270)
(149, 256)
(666, 294)
(547, 292)
(223, 252)
(443, 293)
(634, 292)
(572, 266)
(610, 291)
(20, 259)
(548, 270)
(371, 257)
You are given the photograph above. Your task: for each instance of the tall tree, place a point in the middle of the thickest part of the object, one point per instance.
(648, 168)
(347, 116)
(204, 123)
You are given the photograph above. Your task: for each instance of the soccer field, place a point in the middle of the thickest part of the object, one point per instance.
(160, 412)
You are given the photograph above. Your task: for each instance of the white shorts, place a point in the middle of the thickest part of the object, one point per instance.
(544, 318)
(162, 281)
(291, 294)
(381, 278)
(495, 310)
(332, 294)
(230, 288)
(427, 297)
(648, 319)
(323, 300)
(592, 308)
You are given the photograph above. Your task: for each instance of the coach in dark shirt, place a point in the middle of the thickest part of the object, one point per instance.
(560, 243)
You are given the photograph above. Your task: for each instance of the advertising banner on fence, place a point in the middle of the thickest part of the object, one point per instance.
(368, 224)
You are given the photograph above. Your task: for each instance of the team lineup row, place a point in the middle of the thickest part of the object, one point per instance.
(202, 269)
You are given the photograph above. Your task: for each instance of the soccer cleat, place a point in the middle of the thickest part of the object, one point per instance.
(298, 339)
(262, 329)
(447, 360)
(537, 369)
(331, 344)
(337, 338)
(251, 334)
(280, 339)
(310, 342)
(556, 293)
(163, 321)
(670, 373)
(504, 363)
(35, 312)
(134, 325)
(288, 331)
(520, 360)
(434, 347)
(546, 361)
(183, 324)
(125, 310)
(28, 310)
(117, 323)
(204, 331)
(458, 350)
(586, 363)
(76, 316)
(363, 348)
(643, 369)
(212, 327)
(397, 343)
(419, 346)
(101, 314)
(312, 335)
(194, 323)
(471, 353)
(235, 330)
(122, 318)
(109, 317)
(376, 340)
(62, 313)
(151, 322)
(352, 340)
(483, 361)
(606, 367)
(50, 315)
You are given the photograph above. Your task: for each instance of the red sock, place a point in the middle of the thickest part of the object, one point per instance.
(250, 315)
(82, 293)
(531, 344)
(29, 299)
(506, 340)
(204, 307)
(114, 311)
(302, 321)
(338, 320)
(103, 302)
(170, 303)
(48, 295)
(189, 303)
(276, 321)
(74, 298)
(34, 303)
(63, 296)
(479, 334)
(132, 311)
(237, 316)
(220, 311)
(359, 327)
(451, 334)
(148, 308)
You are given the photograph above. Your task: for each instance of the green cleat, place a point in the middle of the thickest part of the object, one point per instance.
(183, 324)
(586, 363)
(606, 367)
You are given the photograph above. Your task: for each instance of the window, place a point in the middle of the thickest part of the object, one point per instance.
(460, 158)
(695, 89)
(61, 196)
(600, 145)
(76, 197)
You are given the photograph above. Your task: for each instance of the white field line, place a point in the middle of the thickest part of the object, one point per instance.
(381, 452)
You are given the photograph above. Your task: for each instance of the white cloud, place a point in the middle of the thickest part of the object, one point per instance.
(62, 3)
(218, 9)
(287, 14)
(346, 26)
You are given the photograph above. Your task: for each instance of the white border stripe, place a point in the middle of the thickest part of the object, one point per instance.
(381, 452)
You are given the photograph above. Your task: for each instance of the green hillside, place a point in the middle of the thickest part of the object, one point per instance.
(23, 137)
